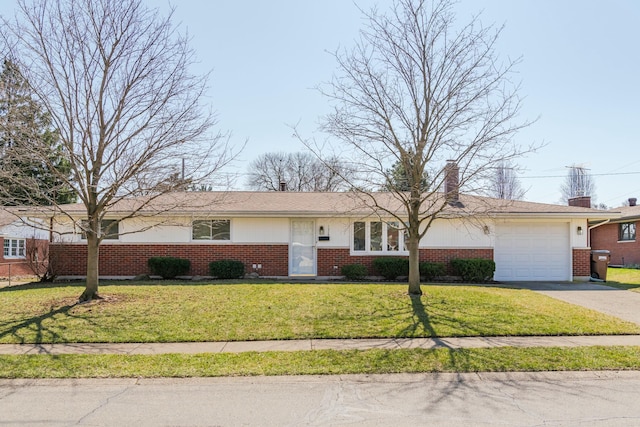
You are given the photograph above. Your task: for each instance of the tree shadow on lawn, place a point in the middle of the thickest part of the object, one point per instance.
(17, 328)
(23, 329)
(422, 319)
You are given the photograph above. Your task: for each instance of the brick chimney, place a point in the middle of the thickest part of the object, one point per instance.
(283, 186)
(632, 201)
(580, 201)
(451, 182)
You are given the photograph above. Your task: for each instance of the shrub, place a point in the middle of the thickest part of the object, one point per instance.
(354, 271)
(168, 267)
(390, 268)
(430, 270)
(226, 269)
(474, 270)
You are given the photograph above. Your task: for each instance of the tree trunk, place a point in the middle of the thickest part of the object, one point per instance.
(414, 265)
(91, 289)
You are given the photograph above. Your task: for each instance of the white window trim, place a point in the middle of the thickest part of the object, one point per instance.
(384, 251)
(14, 242)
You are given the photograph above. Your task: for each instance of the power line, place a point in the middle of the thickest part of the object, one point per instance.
(591, 174)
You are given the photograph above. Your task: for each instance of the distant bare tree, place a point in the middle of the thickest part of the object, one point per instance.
(419, 89)
(504, 184)
(298, 171)
(578, 183)
(115, 78)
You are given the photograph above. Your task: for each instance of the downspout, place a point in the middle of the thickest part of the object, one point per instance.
(606, 221)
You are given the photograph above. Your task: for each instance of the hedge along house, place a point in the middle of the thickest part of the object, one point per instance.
(25, 248)
(312, 235)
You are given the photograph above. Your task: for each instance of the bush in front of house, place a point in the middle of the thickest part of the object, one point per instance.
(475, 270)
(168, 267)
(226, 269)
(390, 267)
(431, 270)
(354, 271)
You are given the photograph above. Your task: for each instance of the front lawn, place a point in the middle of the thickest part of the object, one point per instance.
(220, 312)
(624, 278)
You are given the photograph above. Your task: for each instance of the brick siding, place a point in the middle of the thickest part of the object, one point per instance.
(622, 253)
(581, 262)
(131, 260)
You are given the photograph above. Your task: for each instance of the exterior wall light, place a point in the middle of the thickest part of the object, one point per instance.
(579, 231)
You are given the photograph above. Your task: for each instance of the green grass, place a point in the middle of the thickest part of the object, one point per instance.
(321, 362)
(624, 278)
(221, 312)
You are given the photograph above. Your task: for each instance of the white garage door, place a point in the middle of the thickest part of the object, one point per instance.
(538, 252)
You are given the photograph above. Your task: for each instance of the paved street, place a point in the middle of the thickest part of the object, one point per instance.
(520, 399)
(486, 399)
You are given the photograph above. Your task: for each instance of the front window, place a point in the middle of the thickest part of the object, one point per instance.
(15, 248)
(109, 229)
(627, 231)
(211, 229)
(393, 237)
(376, 236)
(359, 236)
(379, 237)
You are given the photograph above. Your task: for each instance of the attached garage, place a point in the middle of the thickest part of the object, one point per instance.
(536, 251)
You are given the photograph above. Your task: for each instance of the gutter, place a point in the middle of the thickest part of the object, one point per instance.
(606, 221)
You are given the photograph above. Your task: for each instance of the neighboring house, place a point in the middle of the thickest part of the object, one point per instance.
(618, 235)
(24, 248)
(300, 234)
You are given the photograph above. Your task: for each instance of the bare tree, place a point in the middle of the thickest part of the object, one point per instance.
(417, 90)
(298, 172)
(578, 183)
(115, 78)
(504, 183)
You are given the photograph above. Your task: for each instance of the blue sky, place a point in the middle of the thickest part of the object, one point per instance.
(580, 62)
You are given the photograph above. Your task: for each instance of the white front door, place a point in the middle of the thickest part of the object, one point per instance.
(302, 249)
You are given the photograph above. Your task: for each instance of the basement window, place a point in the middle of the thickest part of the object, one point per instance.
(211, 229)
(627, 231)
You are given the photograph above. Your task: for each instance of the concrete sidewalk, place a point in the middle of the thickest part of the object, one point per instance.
(307, 345)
